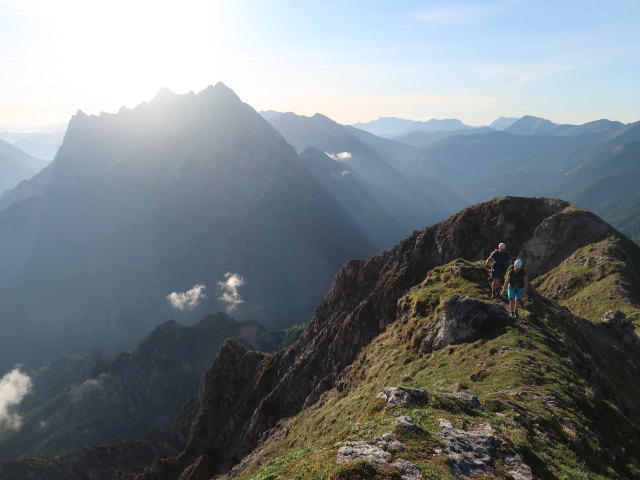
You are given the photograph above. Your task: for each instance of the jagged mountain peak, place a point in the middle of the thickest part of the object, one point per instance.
(201, 173)
(219, 92)
(163, 95)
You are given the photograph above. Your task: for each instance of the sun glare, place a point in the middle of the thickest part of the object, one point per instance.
(120, 52)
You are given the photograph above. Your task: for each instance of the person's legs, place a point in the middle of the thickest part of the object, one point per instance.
(512, 300)
(519, 292)
(496, 283)
(495, 287)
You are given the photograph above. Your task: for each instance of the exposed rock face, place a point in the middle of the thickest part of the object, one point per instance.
(474, 451)
(402, 395)
(360, 304)
(620, 326)
(554, 239)
(462, 319)
(380, 451)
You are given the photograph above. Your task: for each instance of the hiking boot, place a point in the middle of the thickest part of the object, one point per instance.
(515, 314)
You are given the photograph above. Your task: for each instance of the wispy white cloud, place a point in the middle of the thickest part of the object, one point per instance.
(88, 386)
(464, 13)
(187, 300)
(13, 388)
(229, 291)
(339, 157)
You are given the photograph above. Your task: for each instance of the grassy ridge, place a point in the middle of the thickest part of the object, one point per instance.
(524, 373)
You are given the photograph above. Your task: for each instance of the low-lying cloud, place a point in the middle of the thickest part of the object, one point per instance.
(89, 386)
(229, 293)
(13, 387)
(339, 157)
(187, 300)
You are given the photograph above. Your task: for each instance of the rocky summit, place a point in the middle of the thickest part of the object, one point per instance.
(412, 332)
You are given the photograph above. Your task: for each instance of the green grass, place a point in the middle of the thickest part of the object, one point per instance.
(595, 279)
(514, 369)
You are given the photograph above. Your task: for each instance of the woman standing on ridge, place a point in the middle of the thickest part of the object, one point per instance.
(518, 284)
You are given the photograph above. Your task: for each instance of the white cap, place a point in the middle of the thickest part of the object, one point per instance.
(502, 246)
(518, 263)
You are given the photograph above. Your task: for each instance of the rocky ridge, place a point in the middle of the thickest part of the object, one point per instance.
(373, 297)
(144, 397)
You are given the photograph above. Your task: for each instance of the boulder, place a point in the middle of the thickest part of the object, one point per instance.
(402, 395)
(463, 318)
(406, 422)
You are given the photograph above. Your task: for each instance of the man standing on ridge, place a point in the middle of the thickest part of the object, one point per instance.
(499, 261)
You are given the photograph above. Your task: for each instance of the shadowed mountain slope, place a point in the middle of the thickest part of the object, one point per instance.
(412, 206)
(144, 398)
(173, 193)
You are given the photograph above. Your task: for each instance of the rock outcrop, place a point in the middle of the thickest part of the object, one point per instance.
(381, 451)
(402, 395)
(473, 452)
(462, 319)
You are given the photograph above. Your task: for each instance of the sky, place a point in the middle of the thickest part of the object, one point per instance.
(352, 60)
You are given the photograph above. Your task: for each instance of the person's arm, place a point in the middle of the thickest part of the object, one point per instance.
(506, 282)
(490, 260)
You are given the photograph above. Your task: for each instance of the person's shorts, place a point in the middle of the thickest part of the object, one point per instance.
(498, 273)
(515, 293)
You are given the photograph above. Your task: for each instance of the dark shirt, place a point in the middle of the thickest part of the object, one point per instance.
(501, 260)
(516, 279)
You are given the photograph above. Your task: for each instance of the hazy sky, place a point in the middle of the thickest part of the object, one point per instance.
(568, 61)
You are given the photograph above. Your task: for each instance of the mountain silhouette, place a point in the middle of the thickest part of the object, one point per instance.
(173, 193)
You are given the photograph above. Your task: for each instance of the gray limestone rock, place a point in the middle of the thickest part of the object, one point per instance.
(463, 318)
(406, 422)
(352, 451)
(408, 470)
(472, 452)
(380, 451)
(402, 395)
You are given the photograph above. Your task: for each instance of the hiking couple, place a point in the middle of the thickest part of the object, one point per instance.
(515, 279)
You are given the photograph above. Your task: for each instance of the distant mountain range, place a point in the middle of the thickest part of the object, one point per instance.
(42, 145)
(393, 126)
(16, 165)
(411, 203)
(529, 156)
(590, 164)
(529, 125)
